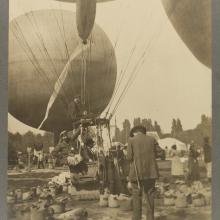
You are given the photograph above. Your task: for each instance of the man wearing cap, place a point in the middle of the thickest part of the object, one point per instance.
(143, 171)
(74, 108)
(62, 149)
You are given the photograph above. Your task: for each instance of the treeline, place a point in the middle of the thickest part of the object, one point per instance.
(123, 135)
(20, 142)
(203, 129)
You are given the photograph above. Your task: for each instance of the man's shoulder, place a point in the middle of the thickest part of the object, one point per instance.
(150, 138)
(142, 137)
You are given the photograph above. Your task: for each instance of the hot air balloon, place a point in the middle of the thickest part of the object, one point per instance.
(42, 45)
(85, 16)
(192, 21)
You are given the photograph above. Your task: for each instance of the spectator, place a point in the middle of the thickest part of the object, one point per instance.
(143, 171)
(193, 164)
(207, 157)
(176, 166)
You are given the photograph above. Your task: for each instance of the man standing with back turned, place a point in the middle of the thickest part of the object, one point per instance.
(143, 171)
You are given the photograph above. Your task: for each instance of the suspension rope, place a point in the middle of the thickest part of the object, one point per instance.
(28, 51)
(135, 71)
(63, 36)
(54, 71)
(65, 41)
(125, 67)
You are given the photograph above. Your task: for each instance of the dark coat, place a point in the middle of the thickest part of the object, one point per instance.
(74, 110)
(142, 150)
(207, 153)
(193, 163)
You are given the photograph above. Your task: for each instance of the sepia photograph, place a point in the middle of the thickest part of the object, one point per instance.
(109, 110)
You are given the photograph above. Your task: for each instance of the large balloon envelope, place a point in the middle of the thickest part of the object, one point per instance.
(40, 45)
(192, 21)
(85, 17)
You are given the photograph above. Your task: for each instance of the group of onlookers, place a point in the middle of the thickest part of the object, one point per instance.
(187, 164)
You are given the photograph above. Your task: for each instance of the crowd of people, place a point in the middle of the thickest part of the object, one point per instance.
(186, 164)
(129, 169)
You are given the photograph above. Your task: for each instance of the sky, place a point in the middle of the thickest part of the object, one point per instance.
(170, 81)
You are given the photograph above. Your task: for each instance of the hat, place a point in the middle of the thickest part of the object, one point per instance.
(139, 128)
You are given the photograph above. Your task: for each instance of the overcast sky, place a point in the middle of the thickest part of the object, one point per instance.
(171, 82)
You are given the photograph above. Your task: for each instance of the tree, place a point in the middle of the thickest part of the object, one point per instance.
(117, 135)
(173, 128)
(48, 140)
(28, 139)
(179, 127)
(144, 122)
(203, 129)
(137, 122)
(126, 130)
(205, 126)
(157, 128)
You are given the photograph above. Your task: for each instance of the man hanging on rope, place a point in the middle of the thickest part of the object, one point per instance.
(62, 149)
(80, 155)
(75, 111)
(143, 171)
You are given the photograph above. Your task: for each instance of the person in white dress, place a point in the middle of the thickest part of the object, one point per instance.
(177, 170)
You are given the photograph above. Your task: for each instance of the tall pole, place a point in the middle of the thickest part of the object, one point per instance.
(29, 158)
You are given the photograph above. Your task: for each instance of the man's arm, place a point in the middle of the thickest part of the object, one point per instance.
(56, 150)
(158, 149)
(129, 151)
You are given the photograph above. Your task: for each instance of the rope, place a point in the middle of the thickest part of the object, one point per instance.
(28, 51)
(59, 82)
(63, 36)
(65, 42)
(134, 73)
(112, 52)
(133, 76)
(124, 68)
(38, 33)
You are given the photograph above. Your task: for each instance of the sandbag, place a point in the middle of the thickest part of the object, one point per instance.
(38, 190)
(126, 205)
(11, 199)
(113, 201)
(23, 214)
(207, 196)
(103, 201)
(76, 214)
(181, 201)
(34, 191)
(26, 196)
(38, 214)
(52, 191)
(72, 190)
(58, 208)
(20, 215)
(65, 187)
(169, 201)
(18, 193)
(198, 202)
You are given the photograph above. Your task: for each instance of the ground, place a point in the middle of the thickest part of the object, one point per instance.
(25, 180)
